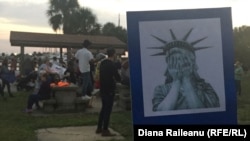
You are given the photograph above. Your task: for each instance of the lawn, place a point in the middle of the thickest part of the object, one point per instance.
(18, 126)
(244, 102)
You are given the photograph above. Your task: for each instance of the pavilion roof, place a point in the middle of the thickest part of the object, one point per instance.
(30, 39)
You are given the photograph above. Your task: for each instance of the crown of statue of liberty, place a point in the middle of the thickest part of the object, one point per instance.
(178, 43)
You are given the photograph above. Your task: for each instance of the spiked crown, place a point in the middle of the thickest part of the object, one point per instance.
(177, 43)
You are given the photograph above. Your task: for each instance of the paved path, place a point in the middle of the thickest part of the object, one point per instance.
(82, 133)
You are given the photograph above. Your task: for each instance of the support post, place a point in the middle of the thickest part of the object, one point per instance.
(21, 59)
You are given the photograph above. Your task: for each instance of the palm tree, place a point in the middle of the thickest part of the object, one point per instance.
(59, 13)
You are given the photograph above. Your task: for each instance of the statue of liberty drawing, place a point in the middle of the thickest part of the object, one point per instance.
(183, 87)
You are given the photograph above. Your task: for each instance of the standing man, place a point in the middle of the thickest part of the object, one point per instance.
(238, 74)
(108, 77)
(85, 57)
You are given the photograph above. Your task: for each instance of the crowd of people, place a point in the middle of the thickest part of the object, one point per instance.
(107, 74)
(101, 72)
(85, 70)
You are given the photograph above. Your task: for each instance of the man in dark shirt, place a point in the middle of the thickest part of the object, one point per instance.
(108, 77)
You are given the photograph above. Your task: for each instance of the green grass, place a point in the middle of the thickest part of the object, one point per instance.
(18, 126)
(244, 102)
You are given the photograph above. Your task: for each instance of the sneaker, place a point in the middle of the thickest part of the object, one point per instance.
(86, 97)
(107, 133)
(94, 92)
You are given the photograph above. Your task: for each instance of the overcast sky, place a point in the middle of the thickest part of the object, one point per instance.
(30, 15)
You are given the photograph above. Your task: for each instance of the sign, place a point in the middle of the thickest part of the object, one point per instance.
(181, 66)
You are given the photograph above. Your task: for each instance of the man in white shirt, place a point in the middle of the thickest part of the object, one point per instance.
(85, 57)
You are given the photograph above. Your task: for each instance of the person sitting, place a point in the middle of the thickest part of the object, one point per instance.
(54, 61)
(46, 67)
(69, 74)
(42, 92)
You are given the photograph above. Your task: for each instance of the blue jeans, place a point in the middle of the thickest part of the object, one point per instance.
(86, 83)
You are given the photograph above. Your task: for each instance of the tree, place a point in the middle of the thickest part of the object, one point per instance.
(242, 44)
(109, 29)
(83, 21)
(121, 33)
(59, 14)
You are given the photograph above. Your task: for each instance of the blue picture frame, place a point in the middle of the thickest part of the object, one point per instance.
(148, 29)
